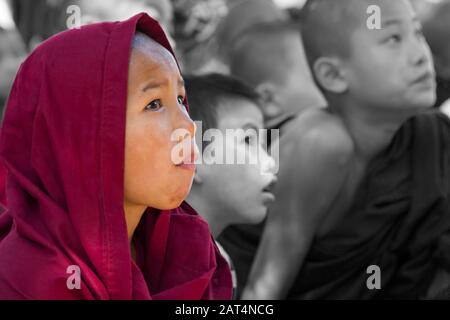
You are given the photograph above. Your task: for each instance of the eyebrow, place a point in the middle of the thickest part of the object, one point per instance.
(158, 84)
(388, 23)
(391, 22)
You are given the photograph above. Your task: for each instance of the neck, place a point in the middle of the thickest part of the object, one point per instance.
(213, 215)
(371, 131)
(133, 215)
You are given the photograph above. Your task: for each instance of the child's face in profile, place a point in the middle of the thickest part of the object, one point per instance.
(241, 191)
(155, 110)
(391, 67)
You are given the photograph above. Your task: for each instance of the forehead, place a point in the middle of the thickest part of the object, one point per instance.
(390, 10)
(149, 56)
(237, 113)
(395, 10)
(392, 13)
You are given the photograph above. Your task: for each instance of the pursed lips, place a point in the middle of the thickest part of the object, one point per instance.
(189, 159)
(271, 186)
(427, 76)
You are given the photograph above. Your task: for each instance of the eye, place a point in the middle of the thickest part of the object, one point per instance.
(155, 105)
(251, 139)
(395, 38)
(181, 100)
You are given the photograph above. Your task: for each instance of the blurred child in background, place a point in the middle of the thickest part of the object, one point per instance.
(230, 193)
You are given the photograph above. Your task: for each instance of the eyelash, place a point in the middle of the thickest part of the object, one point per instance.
(398, 37)
(149, 106)
(395, 37)
(248, 139)
(181, 100)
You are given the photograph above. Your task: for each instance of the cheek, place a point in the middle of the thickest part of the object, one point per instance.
(248, 201)
(245, 182)
(377, 81)
(147, 164)
(147, 148)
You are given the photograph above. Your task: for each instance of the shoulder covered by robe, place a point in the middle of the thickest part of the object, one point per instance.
(400, 222)
(62, 145)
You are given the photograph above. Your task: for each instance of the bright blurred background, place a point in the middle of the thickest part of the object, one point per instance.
(202, 31)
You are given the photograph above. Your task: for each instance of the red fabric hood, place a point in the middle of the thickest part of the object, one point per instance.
(62, 143)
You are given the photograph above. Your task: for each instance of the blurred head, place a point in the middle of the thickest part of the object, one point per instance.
(155, 109)
(270, 57)
(239, 193)
(387, 68)
(12, 53)
(437, 32)
(115, 10)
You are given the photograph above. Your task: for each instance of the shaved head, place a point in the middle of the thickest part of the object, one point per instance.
(437, 31)
(148, 46)
(327, 26)
(252, 55)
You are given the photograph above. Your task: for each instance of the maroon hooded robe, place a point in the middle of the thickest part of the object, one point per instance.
(63, 145)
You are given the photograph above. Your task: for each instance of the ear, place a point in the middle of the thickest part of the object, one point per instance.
(268, 93)
(329, 74)
(266, 90)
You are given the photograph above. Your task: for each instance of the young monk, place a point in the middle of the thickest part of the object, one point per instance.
(95, 200)
(227, 105)
(224, 104)
(350, 195)
(270, 57)
(286, 85)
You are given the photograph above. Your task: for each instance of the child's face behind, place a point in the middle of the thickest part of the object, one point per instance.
(241, 191)
(391, 67)
(155, 110)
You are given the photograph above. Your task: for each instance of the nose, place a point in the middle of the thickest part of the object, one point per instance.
(183, 121)
(420, 52)
(268, 164)
(185, 124)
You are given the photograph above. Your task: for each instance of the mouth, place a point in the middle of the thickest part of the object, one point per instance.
(268, 191)
(426, 77)
(188, 163)
(187, 166)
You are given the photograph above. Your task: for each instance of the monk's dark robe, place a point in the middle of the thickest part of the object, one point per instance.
(442, 91)
(400, 222)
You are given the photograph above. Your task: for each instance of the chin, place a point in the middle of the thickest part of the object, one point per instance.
(425, 101)
(176, 202)
(173, 201)
(256, 217)
(170, 205)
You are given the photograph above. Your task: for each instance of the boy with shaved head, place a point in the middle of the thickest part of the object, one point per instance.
(286, 84)
(270, 57)
(360, 188)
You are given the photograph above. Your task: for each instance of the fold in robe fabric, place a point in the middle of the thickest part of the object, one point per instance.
(400, 222)
(63, 144)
